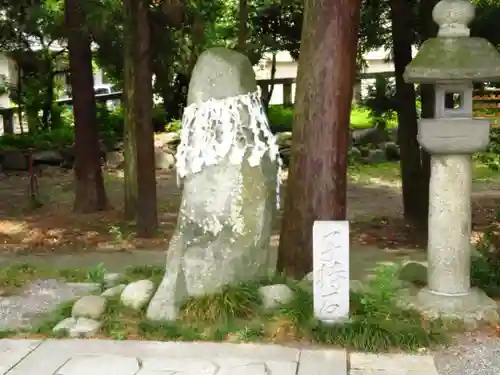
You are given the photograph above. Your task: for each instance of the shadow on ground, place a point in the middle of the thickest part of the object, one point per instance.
(374, 209)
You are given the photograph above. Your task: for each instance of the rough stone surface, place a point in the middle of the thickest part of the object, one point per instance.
(91, 307)
(450, 224)
(201, 261)
(376, 157)
(107, 357)
(472, 354)
(113, 291)
(391, 364)
(275, 295)
(100, 365)
(164, 160)
(470, 308)
(449, 136)
(449, 59)
(78, 327)
(331, 270)
(13, 351)
(38, 299)
(414, 272)
(111, 279)
(114, 159)
(137, 294)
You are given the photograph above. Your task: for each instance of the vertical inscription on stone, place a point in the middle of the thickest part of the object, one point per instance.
(331, 270)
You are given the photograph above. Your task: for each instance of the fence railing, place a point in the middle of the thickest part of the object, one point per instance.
(486, 104)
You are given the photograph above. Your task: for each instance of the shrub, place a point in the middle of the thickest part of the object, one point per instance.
(491, 156)
(485, 268)
(173, 126)
(111, 124)
(280, 118)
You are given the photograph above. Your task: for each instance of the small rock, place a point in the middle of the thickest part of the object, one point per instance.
(115, 159)
(169, 138)
(50, 157)
(164, 160)
(78, 327)
(64, 325)
(393, 134)
(89, 307)
(391, 150)
(284, 139)
(275, 295)
(368, 136)
(309, 277)
(137, 294)
(355, 154)
(85, 327)
(414, 272)
(14, 160)
(112, 279)
(375, 157)
(113, 291)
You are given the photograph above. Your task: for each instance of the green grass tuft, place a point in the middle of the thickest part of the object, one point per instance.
(377, 323)
(153, 273)
(62, 311)
(241, 301)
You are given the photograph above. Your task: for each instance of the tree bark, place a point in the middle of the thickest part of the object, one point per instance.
(243, 26)
(415, 185)
(428, 29)
(317, 179)
(139, 101)
(90, 195)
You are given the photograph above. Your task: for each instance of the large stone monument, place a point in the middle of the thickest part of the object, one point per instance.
(229, 165)
(453, 61)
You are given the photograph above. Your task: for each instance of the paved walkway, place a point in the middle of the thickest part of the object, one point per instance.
(106, 357)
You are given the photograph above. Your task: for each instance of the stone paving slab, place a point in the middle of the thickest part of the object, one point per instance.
(391, 364)
(13, 351)
(107, 357)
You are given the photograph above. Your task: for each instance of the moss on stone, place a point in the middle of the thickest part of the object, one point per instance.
(454, 58)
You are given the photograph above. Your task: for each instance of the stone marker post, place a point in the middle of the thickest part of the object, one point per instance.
(453, 61)
(229, 163)
(331, 271)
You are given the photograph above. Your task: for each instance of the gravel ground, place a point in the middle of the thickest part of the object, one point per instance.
(474, 354)
(40, 298)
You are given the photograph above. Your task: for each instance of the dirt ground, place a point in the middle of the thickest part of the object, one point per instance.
(374, 210)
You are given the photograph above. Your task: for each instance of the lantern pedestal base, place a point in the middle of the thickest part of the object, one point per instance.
(470, 309)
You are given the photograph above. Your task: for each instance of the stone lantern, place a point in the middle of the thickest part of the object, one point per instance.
(452, 62)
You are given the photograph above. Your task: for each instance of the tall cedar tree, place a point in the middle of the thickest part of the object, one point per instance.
(318, 172)
(90, 195)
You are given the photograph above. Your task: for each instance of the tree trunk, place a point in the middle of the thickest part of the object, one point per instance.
(414, 182)
(428, 29)
(90, 195)
(129, 136)
(243, 26)
(139, 101)
(317, 181)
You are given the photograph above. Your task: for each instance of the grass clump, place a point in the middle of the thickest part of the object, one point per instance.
(153, 273)
(377, 322)
(14, 277)
(234, 302)
(485, 265)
